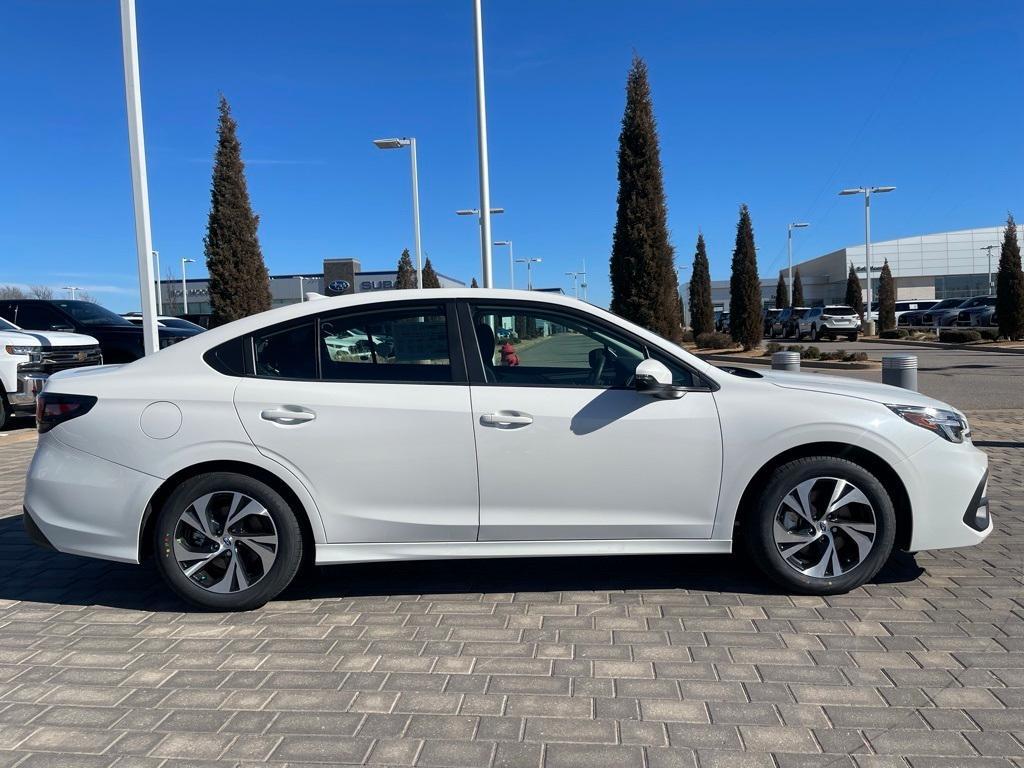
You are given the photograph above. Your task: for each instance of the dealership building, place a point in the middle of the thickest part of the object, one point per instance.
(938, 266)
(339, 277)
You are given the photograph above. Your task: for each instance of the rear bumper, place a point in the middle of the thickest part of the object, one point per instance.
(84, 505)
(947, 484)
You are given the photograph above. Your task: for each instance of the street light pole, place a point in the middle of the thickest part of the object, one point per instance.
(481, 127)
(529, 270)
(411, 143)
(789, 245)
(867, 191)
(140, 184)
(583, 284)
(184, 290)
(302, 296)
(991, 288)
(72, 289)
(511, 263)
(575, 286)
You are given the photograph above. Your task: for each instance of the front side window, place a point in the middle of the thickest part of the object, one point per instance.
(408, 344)
(538, 347)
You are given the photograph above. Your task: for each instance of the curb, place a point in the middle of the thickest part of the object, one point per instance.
(944, 345)
(825, 365)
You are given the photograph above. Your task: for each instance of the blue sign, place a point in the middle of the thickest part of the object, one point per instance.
(339, 286)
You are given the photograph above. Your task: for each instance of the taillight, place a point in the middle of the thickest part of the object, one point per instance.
(53, 408)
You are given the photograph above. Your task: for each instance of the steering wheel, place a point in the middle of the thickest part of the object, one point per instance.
(598, 359)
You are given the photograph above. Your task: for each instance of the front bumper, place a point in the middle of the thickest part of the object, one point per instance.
(947, 485)
(84, 505)
(29, 387)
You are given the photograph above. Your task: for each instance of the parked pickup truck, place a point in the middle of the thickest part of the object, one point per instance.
(27, 358)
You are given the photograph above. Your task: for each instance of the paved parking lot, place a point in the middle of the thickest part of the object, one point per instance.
(657, 662)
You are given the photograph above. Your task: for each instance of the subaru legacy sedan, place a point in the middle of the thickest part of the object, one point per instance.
(484, 423)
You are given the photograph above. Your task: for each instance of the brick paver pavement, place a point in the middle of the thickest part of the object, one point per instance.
(658, 662)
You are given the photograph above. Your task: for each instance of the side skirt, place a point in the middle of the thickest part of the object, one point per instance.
(327, 554)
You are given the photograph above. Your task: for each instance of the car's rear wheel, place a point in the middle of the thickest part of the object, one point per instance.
(852, 337)
(822, 525)
(227, 541)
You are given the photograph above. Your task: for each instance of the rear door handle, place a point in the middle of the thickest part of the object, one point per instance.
(506, 419)
(287, 415)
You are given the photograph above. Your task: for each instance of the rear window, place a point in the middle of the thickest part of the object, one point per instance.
(840, 311)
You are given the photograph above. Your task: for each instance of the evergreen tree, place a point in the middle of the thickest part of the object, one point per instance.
(854, 297)
(406, 277)
(798, 289)
(781, 293)
(644, 283)
(1010, 285)
(239, 284)
(886, 299)
(702, 311)
(429, 275)
(473, 283)
(746, 322)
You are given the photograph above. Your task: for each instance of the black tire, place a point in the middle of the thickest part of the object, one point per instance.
(288, 552)
(852, 337)
(815, 333)
(6, 414)
(759, 521)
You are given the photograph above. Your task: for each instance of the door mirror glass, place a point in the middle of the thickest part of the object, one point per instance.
(654, 378)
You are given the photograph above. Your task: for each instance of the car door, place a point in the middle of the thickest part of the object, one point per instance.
(566, 448)
(379, 430)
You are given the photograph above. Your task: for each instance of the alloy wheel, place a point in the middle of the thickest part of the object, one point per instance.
(825, 527)
(225, 541)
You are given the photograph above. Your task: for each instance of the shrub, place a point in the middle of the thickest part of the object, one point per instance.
(687, 337)
(811, 353)
(715, 340)
(772, 348)
(959, 336)
(795, 348)
(989, 334)
(894, 333)
(856, 357)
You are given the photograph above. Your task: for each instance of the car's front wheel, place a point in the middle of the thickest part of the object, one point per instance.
(227, 541)
(822, 525)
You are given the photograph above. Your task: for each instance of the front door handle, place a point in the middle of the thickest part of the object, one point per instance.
(506, 419)
(287, 415)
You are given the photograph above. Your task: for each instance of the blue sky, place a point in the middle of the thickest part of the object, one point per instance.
(776, 104)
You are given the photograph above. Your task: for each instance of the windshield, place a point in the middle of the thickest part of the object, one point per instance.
(948, 304)
(87, 313)
(6, 326)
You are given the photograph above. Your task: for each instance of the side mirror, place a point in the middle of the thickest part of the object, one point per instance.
(653, 378)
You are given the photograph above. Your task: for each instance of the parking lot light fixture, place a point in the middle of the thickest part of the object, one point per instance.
(72, 289)
(476, 211)
(396, 143)
(184, 290)
(789, 246)
(529, 270)
(511, 263)
(867, 192)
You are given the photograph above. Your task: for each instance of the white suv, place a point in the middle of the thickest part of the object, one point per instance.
(830, 322)
(27, 358)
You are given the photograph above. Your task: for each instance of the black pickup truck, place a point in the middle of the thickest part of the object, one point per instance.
(120, 340)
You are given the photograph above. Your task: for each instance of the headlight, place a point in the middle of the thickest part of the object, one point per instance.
(18, 349)
(946, 424)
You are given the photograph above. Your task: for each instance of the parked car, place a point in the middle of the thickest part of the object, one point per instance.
(780, 323)
(120, 339)
(904, 306)
(829, 322)
(231, 459)
(973, 309)
(164, 321)
(722, 323)
(985, 317)
(943, 314)
(769, 320)
(792, 326)
(27, 358)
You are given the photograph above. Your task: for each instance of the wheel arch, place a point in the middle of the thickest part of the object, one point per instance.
(239, 467)
(874, 463)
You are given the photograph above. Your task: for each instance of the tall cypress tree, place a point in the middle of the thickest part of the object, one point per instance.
(1010, 285)
(886, 299)
(781, 293)
(702, 311)
(745, 319)
(798, 289)
(854, 297)
(644, 282)
(406, 277)
(239, 284)
(429, 275)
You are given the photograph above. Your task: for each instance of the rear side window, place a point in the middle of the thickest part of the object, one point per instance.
(228, 358)
(839, 311)
(286, 353)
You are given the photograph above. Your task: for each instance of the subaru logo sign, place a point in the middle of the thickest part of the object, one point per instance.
(339, 286)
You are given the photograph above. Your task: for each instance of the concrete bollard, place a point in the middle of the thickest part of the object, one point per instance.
(900, 371)
(786, 361)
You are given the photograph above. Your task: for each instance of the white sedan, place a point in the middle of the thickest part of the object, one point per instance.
(233, 457)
